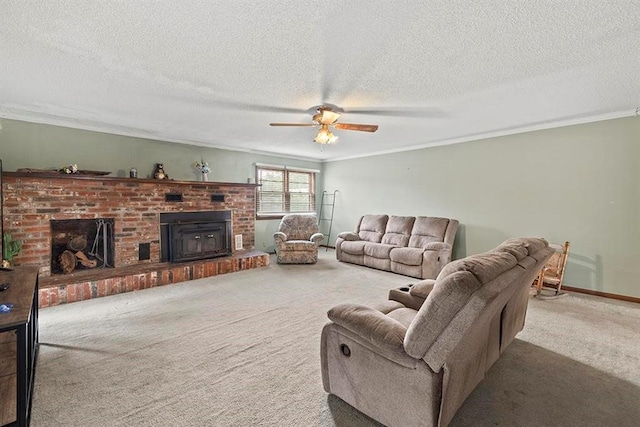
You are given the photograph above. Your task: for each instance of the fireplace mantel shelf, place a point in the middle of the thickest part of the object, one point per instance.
(103, 178)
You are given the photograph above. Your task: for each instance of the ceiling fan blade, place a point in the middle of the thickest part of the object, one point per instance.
(291, 124)
(353, 126)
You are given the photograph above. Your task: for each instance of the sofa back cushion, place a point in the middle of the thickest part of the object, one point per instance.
(484, 267)
(533, 244)
(371, 227)
(428, 229)
(515, 248)
(398, 230)
(299, 226)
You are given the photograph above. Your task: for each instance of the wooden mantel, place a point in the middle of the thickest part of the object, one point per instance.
(107, 178)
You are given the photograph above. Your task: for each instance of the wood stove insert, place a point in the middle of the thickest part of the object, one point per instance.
(189, 236)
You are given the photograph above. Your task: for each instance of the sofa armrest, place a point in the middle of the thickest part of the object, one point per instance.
(316, 238)
(422, 289)
(370, 324)
(349, 235)
(280, 237)
(437, 246)
(402, 296)
(435, 256)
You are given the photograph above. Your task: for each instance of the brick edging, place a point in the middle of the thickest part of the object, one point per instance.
(164, 275)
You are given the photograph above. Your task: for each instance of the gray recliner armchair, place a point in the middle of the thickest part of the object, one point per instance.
(297, 239)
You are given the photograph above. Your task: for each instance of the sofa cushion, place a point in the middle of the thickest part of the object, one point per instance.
(533, 244)
(377, 250)
(388, 306)
(353, 259)
(398, 230)
(407, 256)
(379, 263)
(448, 297)
(298, 245)
(517, 249)
(527, 262)
(404, 315)
(427, 229)
(452, 290)
(423, 288)
(372, 227)
(406, 270)
(299, 226)
(353, 248)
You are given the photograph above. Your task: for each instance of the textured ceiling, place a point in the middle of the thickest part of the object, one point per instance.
(216, 73)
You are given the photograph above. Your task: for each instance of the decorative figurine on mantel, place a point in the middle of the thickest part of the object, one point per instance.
(160, 173)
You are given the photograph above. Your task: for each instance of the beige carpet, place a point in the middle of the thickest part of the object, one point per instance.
(243, 349)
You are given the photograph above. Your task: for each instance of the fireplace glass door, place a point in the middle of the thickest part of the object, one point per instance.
(193, 241)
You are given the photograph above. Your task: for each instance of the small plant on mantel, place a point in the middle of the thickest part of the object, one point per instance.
(203, 168)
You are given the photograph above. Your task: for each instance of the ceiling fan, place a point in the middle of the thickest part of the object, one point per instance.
(327, 118)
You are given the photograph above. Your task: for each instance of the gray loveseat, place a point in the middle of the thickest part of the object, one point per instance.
(413, 246)
(413, 362)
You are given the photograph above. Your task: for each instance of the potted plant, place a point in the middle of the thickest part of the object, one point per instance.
(10, 248)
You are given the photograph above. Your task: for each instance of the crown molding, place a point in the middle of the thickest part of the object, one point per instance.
(498, 133)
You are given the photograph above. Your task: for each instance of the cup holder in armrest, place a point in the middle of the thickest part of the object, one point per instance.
(406, 288)
(403, 296)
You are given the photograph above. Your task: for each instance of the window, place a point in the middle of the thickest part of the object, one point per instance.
(284, 190)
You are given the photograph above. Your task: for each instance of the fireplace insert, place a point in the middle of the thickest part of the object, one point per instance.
(189, 236)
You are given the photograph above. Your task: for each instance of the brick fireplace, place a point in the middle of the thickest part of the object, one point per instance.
(134, 207)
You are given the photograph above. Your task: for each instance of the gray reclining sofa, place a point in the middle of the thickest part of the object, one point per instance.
(413, 360)
(412, 246)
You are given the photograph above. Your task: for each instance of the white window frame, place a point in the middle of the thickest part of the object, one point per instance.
(286, 193)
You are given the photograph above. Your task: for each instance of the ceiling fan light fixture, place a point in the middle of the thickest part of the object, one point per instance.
(325, 136)
(325, 118)
(328, 117)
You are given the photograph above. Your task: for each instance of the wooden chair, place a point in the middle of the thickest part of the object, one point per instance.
(552, 273)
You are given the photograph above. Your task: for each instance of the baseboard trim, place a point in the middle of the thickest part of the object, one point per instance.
(602, 294)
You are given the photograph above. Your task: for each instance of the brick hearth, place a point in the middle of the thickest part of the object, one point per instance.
(32, 200)
(89, 284)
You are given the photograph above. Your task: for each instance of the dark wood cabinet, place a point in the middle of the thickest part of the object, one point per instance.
(18, 344)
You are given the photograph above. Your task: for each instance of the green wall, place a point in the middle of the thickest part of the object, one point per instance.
(40, 146)
(578, 183)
